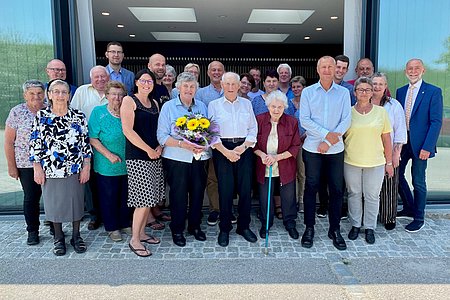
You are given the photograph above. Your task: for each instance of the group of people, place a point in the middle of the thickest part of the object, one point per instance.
(117, 133)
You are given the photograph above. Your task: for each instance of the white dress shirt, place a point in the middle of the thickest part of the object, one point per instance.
(86, 98)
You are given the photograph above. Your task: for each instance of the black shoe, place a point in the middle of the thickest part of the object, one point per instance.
(78, 244)
(178, 239)
(322, 212)
(33, 238)
(198, 234)
(370, 236)
(338, 240)
(389, 226)
(52, 229)
(344, 216)
(233, 219)
(94, 225)
(414, 226)
(293, 233)
(47, 223)
(213, 218)
(59, 247)
(248, 235)
(223, 238)
(403, 214)
(262, 232)
(308, 237)
(353, 234)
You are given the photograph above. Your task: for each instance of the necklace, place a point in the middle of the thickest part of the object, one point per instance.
(364, 110)
(114, 113)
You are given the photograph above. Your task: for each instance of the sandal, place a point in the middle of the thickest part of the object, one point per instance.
(163, 217)
(59, 247)
(137, 251)
(151, 240)
(78, 244)
(278, 213)
(156, 225)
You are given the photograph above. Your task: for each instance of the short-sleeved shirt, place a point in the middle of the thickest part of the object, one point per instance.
(108, 130)
(363, 143)
(21, 119)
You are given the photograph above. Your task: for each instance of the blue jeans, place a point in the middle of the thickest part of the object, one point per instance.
(413, 205)
(333, 166)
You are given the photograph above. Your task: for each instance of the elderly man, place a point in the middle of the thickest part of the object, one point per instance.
(256, 73)
(157, 64)
(232, 157)
(364, 68)
(206, 95)
(85, 99)
(423, 107)
(326, 116)
(56, 69)
(114, 53)
(285, 73)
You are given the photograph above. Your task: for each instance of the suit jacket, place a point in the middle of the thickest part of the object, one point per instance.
(426, 117)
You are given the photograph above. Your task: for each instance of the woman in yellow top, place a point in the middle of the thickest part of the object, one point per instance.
(367, 157)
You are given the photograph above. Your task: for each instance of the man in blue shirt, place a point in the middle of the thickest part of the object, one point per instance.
(326, 116)
(114, 54)
(285, 73)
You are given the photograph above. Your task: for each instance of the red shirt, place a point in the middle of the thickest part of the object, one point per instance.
(288, 140)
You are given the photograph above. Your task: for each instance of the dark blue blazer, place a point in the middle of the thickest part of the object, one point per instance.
(426, 117)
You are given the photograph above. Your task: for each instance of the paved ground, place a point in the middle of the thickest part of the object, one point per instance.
(398, 266)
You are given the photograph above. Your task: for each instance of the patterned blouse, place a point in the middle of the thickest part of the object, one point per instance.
(21, 119)
(60, 143)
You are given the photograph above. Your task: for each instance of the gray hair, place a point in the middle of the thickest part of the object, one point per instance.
(58, 82)
(286, 66)
(190, 65)
(299, 79)
(185, 77)
(170, 69)
(380, 75)
(231, 74)
(277, 96)
(98, 67)
(33, 83)
(362, 80)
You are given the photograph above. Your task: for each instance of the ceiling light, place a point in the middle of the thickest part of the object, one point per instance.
(120, 25)
(334, 17)
(319, 28)
(264, 37)
(279, 16)
(307, 38)
(163, 14)
(177, 36)
(132, 35)
(105, 13)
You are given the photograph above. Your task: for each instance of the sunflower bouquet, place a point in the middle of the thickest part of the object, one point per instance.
(197, 129)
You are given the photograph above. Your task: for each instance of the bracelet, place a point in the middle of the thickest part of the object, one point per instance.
(389, 164)
(179, 143)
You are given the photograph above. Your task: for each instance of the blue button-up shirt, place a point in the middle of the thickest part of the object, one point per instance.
(124, 76)
(350, 88)
(323, 112)
(259, 106)
(208, 94)
(170, 112)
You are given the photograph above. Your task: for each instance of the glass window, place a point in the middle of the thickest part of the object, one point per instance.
(26, 45)
(421, 29)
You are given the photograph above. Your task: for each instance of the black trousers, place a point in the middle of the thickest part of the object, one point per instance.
(234, 176)
(187, 182)
(31, 196)
(288, 202)
(333, 165)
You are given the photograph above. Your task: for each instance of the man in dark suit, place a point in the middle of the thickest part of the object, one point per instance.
(422, 103)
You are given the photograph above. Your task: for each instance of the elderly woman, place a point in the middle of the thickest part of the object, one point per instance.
(60, 152)
(297, 83)
(17, 147)
(139, 115)
(278, 143)
(169, 79)
(192, 68)
(247, 84)
(389, 189)
(186, 176)
(108, 141)
(367, 157)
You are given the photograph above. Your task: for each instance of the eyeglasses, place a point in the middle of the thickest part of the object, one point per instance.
(120, 95)
(364, 91)
(56, 69)
(114, 52)
(143, 81)
(246, 83)
(58, 92)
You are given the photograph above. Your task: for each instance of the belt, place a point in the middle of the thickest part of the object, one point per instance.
(233, 140)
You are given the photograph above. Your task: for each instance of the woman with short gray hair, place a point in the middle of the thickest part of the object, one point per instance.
(169, 79)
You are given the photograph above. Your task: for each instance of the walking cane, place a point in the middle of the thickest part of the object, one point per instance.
(266, 250)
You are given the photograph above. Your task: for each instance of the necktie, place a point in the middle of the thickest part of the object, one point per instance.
(408, 107)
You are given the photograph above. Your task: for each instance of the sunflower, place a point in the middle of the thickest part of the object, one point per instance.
(204, 123)
(192, 124)
(180, 121)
